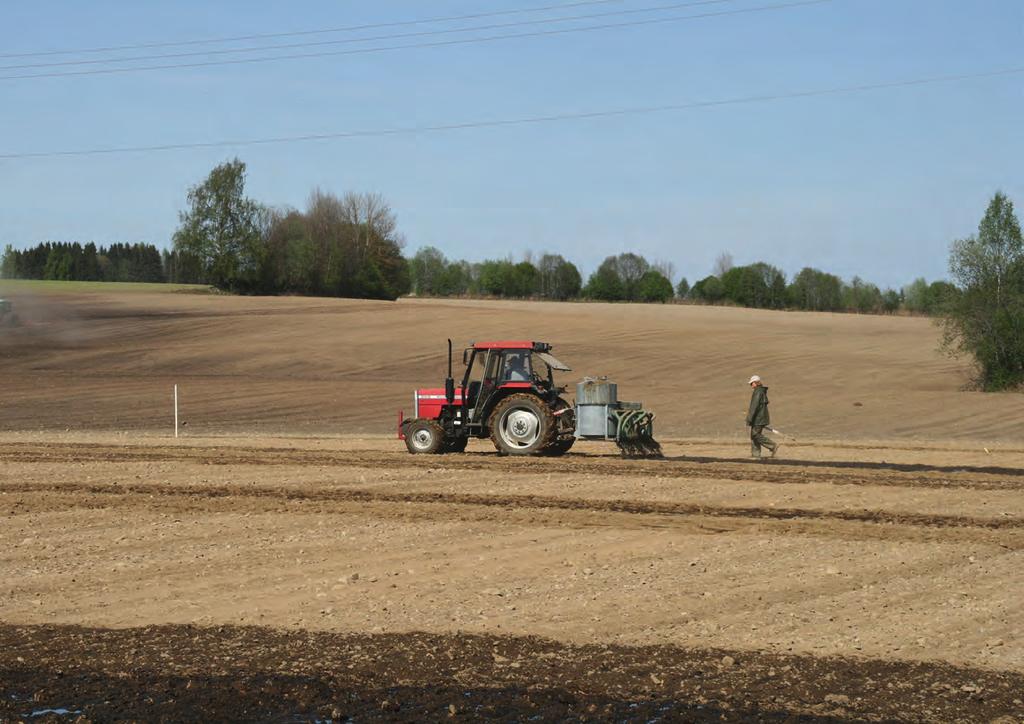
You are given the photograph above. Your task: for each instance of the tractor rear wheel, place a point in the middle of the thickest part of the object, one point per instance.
(424, 437)
(522, 425)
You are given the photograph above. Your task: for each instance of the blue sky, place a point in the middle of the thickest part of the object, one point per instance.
(875, 184)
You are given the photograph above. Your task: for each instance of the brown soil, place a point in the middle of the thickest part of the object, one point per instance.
(258, 674)
(889, 591)
(289, 365)
(871, 573)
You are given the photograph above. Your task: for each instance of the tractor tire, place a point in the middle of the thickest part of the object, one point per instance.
(456, 445)
(522, 425)
(558, 448)
(424, 437)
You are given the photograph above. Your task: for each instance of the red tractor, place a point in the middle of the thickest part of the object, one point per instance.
(508, 393)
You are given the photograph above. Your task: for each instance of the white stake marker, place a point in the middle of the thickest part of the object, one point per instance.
(175, 411)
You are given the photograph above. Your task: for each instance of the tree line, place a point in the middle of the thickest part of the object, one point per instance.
(764, 286)
(345, 246)
(630, 277)
(552, 277)
(349, 246)
(316, 252)
(63, 261)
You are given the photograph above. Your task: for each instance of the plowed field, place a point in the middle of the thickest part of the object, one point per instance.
(319, 572)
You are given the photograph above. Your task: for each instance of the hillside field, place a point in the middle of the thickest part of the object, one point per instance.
(287, 560)
(95, 359)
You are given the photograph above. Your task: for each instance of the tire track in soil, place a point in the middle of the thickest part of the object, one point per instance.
(720, 469)
(525, 510)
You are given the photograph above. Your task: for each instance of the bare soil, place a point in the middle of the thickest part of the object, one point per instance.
(257, 674)
(890, 591)
(307, 568)
(107, 361)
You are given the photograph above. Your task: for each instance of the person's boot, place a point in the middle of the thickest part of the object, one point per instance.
(776, 449)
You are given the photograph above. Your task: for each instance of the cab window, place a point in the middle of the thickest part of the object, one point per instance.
(517, 367)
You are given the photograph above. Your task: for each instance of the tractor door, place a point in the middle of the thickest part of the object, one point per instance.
(489, 367)
(474, 382)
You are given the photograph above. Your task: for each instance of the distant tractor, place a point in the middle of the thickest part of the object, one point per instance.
(508, 394)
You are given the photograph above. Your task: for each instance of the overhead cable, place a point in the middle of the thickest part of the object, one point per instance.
(522, 121)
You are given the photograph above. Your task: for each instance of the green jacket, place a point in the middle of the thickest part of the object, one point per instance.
(758, 416)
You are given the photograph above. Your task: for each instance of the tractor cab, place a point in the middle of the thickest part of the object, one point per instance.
(497, 369)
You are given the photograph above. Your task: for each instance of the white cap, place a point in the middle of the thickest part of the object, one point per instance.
(754, 379)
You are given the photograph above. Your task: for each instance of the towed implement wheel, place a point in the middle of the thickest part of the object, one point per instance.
(424, 437)
(522, 425)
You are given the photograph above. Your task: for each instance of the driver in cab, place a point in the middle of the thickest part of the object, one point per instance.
(517, 368)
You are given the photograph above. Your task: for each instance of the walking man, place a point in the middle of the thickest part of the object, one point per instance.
(758, 419)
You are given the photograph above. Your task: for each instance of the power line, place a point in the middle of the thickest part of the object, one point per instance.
(346, 41)
(434, 44)
(297, 33)
(562, 117)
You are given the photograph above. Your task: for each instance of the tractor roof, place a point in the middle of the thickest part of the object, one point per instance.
(507, 344)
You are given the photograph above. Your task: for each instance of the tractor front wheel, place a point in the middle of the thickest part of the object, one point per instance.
(424, 437)
(522, 425)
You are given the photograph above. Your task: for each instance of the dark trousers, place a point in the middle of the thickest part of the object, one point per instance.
(758, 440)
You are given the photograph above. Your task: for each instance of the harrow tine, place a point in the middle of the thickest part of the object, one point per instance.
(652, 448)
(641, 448)
(635, 435)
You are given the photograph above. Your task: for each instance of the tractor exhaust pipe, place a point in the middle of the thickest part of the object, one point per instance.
(449, 382)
